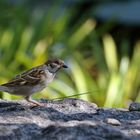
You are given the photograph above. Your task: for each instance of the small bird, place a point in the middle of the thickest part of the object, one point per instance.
(33, 80)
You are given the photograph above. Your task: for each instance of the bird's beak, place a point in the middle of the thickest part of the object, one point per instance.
(65, 66)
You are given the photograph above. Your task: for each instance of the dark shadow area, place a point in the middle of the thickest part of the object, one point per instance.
(16, 131)
(83, 131)
(55, 132)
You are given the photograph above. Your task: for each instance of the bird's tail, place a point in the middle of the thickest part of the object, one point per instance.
(3, 88)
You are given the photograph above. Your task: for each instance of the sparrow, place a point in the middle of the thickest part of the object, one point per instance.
(33, 80)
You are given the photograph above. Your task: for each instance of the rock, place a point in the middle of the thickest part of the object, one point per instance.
(112, 121)
(68, 119)
(134, 107)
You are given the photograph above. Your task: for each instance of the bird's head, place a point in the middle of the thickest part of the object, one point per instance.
(54, 65)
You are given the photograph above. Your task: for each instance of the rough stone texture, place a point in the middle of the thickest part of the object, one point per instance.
(68, 119)
(134, 107)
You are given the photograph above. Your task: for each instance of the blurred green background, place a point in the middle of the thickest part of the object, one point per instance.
(102, 52)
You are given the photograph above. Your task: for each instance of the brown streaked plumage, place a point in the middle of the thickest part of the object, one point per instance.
(33, 80)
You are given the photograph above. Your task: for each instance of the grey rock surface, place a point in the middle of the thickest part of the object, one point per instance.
(68, 119)
(134, 107)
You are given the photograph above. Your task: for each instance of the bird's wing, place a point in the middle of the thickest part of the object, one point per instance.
(30, 77)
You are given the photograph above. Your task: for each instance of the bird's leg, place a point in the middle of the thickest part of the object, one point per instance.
(29, 99)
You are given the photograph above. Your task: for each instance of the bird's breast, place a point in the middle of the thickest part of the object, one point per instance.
(47, 77)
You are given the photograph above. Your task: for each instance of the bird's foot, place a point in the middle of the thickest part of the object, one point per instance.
(35, 103)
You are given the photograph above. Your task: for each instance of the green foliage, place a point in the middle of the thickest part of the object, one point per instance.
(94, 66)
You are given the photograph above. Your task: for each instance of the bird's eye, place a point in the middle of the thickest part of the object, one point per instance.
(52, 66)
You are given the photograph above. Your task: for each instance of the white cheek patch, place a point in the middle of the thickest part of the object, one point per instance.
(22, 83)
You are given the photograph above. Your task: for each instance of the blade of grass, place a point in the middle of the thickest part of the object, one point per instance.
(73, 95)
(110, 53)
(81, 33)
